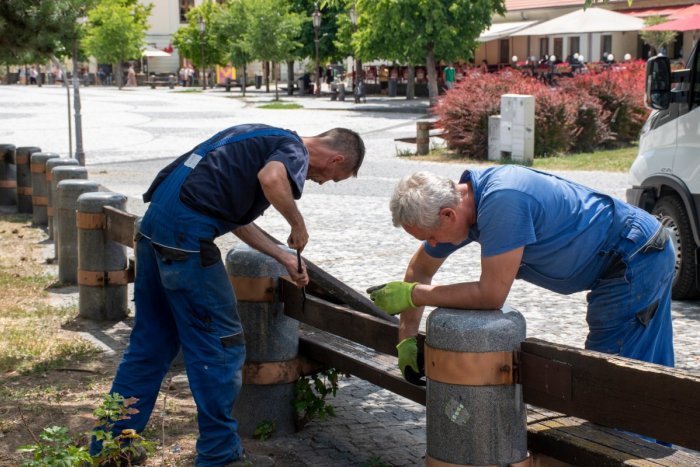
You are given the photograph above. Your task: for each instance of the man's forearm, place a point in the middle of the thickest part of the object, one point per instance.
(253, 236)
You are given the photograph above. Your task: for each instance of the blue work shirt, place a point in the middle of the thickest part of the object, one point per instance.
(565, 228)
(224, 184)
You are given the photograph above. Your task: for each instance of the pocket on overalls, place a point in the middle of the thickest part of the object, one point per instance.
(209, 253)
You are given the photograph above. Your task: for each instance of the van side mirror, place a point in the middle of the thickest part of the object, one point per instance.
(657, 92)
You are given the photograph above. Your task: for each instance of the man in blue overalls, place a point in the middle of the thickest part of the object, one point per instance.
(548, 231)
(182, 293)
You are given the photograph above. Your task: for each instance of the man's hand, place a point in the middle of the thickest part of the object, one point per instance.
(411, 361)
(300, 278)
(394, 297)
(298, 238)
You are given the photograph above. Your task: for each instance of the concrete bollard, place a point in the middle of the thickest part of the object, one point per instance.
(59, 174)
(40, 190)
(103, 273)
(475, 411)
(67, 193)
(8, 175)
(24, 178)
(50, 164)
(423, 137)
(272, 343)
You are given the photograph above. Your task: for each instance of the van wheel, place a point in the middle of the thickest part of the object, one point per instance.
(674, 218)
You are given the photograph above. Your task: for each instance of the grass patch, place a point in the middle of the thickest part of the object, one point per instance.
(188, 91)
(612, 160)
(281, 105)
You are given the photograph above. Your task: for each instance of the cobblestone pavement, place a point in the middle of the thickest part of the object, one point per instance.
(130, 134)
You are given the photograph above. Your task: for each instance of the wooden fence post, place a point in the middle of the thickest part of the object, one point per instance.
(8, 175)
(272, 343)
(103, 275)
(475, 411)
(423, 137)
(24, 178)
(50, 189)
(40, 192)
(67, 193)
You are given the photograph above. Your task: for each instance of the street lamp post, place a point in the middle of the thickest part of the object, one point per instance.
(79, 154)
(358, 63)
(202, 26)
(316, 17)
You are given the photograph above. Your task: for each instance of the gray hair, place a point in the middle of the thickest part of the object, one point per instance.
(418, 199)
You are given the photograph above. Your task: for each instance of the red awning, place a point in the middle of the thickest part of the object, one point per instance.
(687, 23)
(667, 11)
(685, 12)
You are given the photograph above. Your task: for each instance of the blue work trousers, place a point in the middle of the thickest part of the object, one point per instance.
(181, 303)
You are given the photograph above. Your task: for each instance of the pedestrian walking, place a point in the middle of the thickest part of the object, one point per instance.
(182, 293)
(546, 230)
(131, 76)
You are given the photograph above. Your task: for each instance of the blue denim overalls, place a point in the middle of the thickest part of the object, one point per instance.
(184, 299)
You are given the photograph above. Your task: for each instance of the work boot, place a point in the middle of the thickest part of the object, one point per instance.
(252, 460)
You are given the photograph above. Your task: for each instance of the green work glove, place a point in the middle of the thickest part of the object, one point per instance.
(394, 297)
(411, 361)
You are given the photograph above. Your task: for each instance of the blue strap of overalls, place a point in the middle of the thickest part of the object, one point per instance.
(213, 142)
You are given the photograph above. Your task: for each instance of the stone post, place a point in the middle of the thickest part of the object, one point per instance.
(24, 178)
(58, 174)
(8, 175)
(50, 164)
(475, 411)
(103, 275)
(40, 191)
(67, 193)
(272, 343)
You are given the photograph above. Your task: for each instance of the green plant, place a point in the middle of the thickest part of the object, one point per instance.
(55, 447)
(281, 106)
(404, 152)
(126, 444)
(264, 430)
(310, 394)
(375, 461)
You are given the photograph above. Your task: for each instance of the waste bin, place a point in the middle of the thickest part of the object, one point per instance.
(334, 92)
(258, 81)
(392, 87)
(300, 85)
(341, 91)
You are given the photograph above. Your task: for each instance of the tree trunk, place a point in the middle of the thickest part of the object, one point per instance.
(290, 77)
(266, 72)
(274, 78)
(411, 83)
(120, 77)
(243, 82)
(432, 75)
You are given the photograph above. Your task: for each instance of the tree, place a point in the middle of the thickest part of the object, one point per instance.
(434, 29)
(202, 48)
(273, 32)
(657, 39)
(230, 28)
(116, 32)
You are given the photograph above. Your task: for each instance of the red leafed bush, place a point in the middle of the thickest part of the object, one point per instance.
(581, 114)
(621, 92)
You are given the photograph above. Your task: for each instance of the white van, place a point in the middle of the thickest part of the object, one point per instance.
(665, 176)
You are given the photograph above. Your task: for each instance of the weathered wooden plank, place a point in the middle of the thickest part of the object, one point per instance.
(120, 226)
(333, 290)
(363, 362)
(644, 398)
(578, 442)
(341, 321)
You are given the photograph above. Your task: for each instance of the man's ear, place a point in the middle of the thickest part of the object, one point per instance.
(448, 213)
(338, 158)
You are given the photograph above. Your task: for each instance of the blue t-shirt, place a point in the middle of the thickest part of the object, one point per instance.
(561, 225)
(224, 184)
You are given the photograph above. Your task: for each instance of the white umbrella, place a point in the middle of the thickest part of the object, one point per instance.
(585, 21)
(501, 30)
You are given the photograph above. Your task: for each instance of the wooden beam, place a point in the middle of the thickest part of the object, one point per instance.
(363, 362)
(341, 321)
(331, 289)
(640, 397)
(120, 226)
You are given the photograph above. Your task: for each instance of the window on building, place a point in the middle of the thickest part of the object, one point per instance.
(504, 55)
(185, 6)
(605, 46)
(558, 48)
(574, 45)
(544, 46)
